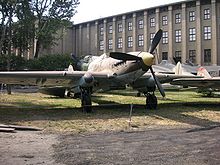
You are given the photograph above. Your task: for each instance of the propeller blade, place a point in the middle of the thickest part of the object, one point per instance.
(155, 41)
(123, 56)
(159, 86)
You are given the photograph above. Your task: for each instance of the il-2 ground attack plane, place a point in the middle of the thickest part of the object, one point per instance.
(207, 84)
(115, 71)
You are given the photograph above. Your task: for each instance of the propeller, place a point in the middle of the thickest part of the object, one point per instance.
(155, 41)
(145, 58)
(124, 56)
(153, 46)
(159, 86)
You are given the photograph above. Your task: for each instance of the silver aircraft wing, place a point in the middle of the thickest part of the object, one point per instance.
(50, 78)
(200, 83)
(146, 82)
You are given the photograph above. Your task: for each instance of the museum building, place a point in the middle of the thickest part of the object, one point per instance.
(190, 33)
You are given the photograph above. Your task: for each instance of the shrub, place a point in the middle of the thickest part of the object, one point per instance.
(46, 62)
(50, 62)
(15, 62)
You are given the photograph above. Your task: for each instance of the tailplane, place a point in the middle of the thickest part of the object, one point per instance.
(203, 72)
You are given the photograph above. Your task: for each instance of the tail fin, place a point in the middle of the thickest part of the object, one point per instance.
(203, 72)
(178, 69)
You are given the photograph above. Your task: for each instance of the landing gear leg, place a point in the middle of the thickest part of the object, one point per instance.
(86, 102)
(151, 101)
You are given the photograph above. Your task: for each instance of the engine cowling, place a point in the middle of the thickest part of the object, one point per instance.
(86, 80)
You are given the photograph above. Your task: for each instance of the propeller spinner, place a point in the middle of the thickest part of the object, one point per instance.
(145, 58)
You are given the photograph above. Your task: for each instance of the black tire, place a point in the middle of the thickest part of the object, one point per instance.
(86, 102)
(151, 101)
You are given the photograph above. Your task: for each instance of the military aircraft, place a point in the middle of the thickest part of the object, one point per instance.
(205, 84)
(106, 73)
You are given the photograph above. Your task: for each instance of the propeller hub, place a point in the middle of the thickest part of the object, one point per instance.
(147, 58)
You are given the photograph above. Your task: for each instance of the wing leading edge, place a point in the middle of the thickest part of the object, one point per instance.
(198, 82)
(46, 78)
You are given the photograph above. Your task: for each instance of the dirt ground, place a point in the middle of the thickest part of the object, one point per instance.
(156, 146)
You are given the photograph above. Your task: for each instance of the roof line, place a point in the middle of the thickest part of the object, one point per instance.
(168, 4)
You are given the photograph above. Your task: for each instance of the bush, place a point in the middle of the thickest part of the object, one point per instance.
(46, 62)
(50, 62)
(15, 62)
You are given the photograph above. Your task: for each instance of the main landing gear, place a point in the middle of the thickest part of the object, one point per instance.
(151, 101)
(86, 102)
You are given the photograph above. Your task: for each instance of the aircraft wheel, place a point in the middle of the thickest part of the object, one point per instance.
(151, 101)
(86, 101)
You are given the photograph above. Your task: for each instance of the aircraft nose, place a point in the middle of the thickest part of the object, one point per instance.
(148, 59)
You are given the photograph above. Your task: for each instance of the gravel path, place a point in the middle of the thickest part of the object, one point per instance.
(152, 147)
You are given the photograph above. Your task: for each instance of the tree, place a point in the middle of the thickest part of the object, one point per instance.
(24, 22)
(6, 13)
(23, 29)
(51, 16)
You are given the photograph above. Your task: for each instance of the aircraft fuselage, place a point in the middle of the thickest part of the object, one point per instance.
(125, 71)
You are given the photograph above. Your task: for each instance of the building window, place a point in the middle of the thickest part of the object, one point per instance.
(178, 36)
(192, 34)
(178, 18)
(165, 37)
(152, 22)
(164, 20)
(207, 14)
(207, 56)
(110, 44)
(130, 26)
(151, 37)
(207, 33)
(110, 29)
(164, 55)
(119, 43)
(120, 28)
(140, 40)
(130, 42)
(177, 56)
(141, 24)
(192, 56)
(192, 16)
(101, 31)
(101, 45)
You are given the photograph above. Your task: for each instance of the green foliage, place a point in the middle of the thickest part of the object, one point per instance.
(47, 62)
(13, 62)
(50, 62)
(51, 16)
(22, 22)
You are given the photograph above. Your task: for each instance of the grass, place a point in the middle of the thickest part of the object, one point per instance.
(179, 109)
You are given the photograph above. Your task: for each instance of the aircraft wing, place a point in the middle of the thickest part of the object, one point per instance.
(47, 78)
(146, 82)
(198, 82)
(166, 78)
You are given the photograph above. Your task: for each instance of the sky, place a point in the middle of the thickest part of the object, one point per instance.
(94, 9)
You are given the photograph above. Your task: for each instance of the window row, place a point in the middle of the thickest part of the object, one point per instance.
(207, 34)
(191, 56)
(192, 17)
(120, 42)
(178, 38)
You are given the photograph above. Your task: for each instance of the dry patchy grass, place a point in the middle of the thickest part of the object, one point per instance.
(64, 115)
